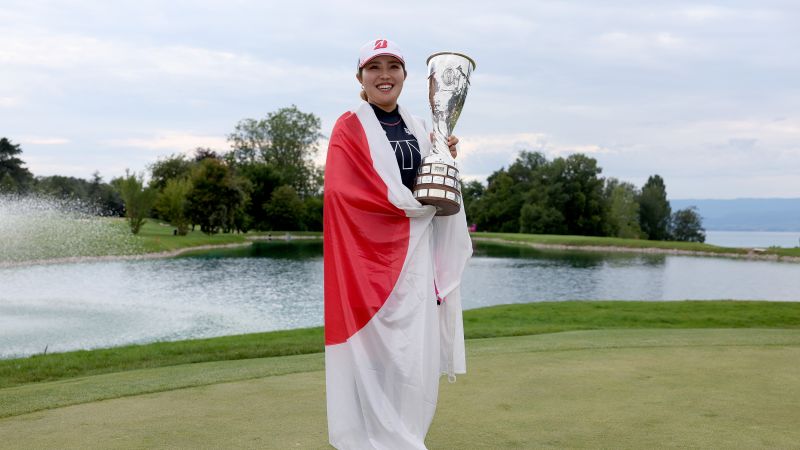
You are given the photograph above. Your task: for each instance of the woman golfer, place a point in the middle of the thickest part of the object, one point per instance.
(392, 270)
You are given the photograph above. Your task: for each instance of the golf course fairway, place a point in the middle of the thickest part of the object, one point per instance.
(638, 388)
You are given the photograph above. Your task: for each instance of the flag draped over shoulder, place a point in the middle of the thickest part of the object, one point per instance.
(386, 340)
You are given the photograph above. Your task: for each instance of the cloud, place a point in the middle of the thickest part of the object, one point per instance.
(501, 143)
(481, 155)
(644, 49)
(10, 102)
(45, 165)
(680, 89)
(752, 142)
(176, 141)
(513, 143)
(68, 56)
(494, 23)
(44, 141)
(783, 129)
(705, 13)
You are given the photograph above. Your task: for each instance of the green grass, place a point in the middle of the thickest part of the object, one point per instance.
(38, 396)
(45, 236)
(795, 252)
(595, 241)
(550, 317)
(57, 238)
(687, 388)
(155, 237)
(497, 321)
(56, 366)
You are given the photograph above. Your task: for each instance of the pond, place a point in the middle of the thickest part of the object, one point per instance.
(278, 285)
(750, 239)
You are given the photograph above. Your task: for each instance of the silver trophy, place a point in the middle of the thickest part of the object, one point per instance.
(437, 180)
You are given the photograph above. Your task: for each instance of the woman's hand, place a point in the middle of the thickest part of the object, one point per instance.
(451, 143)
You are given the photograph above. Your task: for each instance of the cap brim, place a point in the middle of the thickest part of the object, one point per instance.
(399, 58)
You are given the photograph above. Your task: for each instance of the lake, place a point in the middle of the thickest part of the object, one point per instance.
(753, 239)
(278, 285)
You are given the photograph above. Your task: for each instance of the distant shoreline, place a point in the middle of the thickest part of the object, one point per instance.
(145, 256)
(752, 254)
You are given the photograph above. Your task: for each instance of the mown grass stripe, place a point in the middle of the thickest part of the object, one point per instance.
(496, 321)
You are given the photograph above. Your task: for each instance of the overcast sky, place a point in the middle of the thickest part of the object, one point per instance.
(705, 94)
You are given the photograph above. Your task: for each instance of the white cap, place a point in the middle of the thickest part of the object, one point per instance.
(379, 47)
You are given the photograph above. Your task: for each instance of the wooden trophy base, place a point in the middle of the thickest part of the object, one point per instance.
(437, 184)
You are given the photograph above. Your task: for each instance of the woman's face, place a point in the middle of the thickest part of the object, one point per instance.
(382, 79)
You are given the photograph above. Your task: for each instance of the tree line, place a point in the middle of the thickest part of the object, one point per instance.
(267, 181)
(568, 196)
(15, 178)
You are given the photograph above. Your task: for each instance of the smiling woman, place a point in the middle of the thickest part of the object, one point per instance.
(392, 270)
(382, 81)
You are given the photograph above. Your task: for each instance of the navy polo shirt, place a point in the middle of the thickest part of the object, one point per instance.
(404, 144)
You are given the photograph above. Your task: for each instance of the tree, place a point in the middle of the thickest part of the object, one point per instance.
(171, 203)
(250, 141)
(60, 186)
(538, 218)
(285, 209)
(7, 184)
(201, 153)
(216, 197)
(263, 178)
(471, 193)
(623, 209)
(312, 220)
(580, 199)
(654, 209)
(687, 225)
(175, 166)
(13, 176)
(498, 208)
(138, 199)
(564, 196)
(287, 140)
(105, 197)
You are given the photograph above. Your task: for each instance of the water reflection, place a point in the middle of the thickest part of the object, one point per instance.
(278, 285)
(298, 249)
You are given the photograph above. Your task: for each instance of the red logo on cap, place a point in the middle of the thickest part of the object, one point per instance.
(380, 43)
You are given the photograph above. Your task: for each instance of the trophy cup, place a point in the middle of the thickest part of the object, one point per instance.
(437, 179)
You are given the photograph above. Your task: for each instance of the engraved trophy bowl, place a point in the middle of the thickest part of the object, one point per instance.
(437, 179)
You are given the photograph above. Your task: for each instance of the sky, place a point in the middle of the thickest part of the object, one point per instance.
(705, 94)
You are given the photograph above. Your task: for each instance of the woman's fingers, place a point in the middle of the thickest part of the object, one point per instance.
(451, 142)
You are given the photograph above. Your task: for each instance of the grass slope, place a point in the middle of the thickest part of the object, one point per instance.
(706, 388)
(596, 241)
(497, 321)
(155, 237)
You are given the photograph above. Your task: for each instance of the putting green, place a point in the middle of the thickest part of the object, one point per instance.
(598, 389)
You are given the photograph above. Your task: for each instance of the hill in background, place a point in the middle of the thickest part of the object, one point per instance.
(746, 214)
